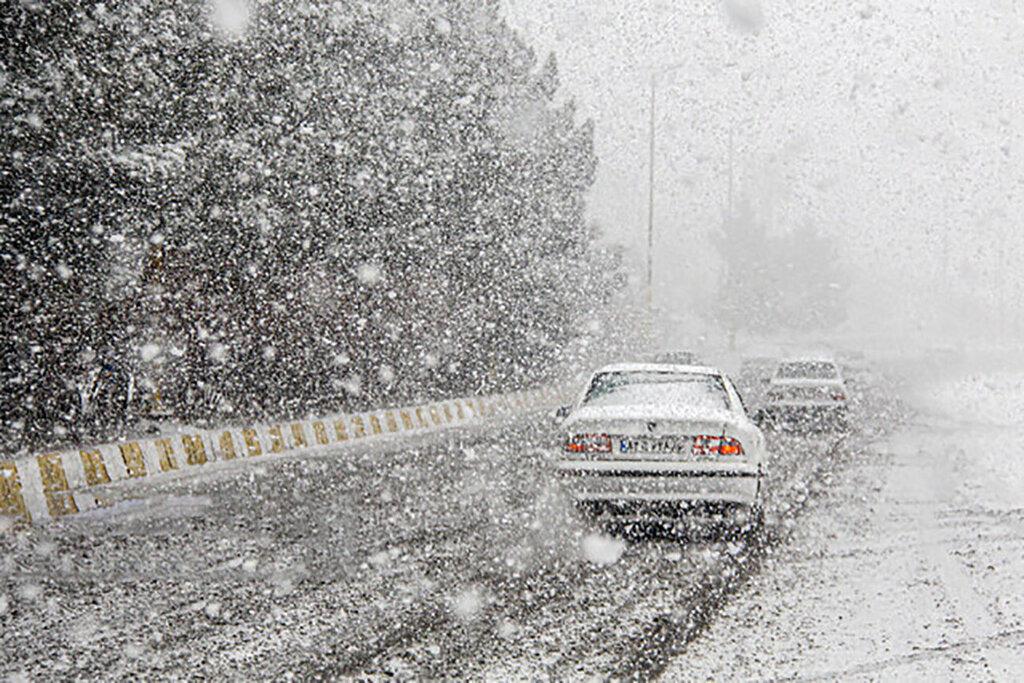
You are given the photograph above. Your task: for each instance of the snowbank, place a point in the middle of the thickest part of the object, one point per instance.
(974, 420)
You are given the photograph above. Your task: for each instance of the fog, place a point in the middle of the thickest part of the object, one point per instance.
(891, 127)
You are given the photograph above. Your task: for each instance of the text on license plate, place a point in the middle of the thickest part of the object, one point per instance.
(663, 444)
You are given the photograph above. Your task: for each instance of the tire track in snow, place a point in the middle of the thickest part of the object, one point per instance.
(969, 646)
(645, 653)
(591, 622)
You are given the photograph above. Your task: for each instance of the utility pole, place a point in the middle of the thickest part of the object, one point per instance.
(649, 294)
(729, 218)
(731, 182)
(650, 208)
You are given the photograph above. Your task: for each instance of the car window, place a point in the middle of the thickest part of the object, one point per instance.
(743, 402)
(643, 387)
(807, 370)
(677, 357)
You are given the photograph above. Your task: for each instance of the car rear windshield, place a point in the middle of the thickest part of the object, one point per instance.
(657, 388)
(807, 369)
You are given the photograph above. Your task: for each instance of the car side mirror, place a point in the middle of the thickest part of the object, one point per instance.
(561, 412)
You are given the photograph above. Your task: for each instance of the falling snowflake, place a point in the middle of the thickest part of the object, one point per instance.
(468, 604)
(601, 549)
(352, 385)
(369, 274)
(217, 352)
(149, 351)
(230, 17)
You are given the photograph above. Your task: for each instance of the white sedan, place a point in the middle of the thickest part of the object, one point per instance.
(807, 393)
(649, 441)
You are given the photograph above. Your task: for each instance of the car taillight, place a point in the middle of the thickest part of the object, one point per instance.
(730, 447)
(716, 445)
(588, 443)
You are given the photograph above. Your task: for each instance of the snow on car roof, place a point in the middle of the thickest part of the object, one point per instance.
(810, 358)
(658, 367)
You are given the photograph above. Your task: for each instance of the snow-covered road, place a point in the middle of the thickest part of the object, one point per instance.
(449, 557)
(912, 567)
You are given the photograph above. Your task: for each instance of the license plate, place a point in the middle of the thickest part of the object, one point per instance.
(662, 444)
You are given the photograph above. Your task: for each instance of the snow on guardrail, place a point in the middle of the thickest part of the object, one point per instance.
(55, 484)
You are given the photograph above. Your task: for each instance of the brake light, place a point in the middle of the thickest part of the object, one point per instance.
(730, 447)
(588, 443)
(716, 445)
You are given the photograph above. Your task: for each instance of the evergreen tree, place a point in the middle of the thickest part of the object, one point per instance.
(333, 205)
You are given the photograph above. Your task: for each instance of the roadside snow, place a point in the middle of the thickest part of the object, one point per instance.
(981, 417)
(995, 399)
(909, 569)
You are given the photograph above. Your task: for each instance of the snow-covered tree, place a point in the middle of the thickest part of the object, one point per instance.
(299, 206)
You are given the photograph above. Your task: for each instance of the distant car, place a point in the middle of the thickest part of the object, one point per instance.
(648, 441)
(677, 358)
(807, 393)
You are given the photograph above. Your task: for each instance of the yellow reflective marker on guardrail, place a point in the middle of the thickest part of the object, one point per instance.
(340, 433)
(299, 435)
(227, 446)
(134, 463)
(11, 501)
(375, 426)
(59, 500)
(95, 469)
(165, 454)
(252, 442)
(320, 433)
(277, 444)
(195, 451)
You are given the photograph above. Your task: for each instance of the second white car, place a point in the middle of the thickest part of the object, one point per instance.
(807, 393)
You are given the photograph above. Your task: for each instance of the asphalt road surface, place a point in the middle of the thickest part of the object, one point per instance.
(453, 555)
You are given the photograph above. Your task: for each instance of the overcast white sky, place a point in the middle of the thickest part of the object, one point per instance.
(895, 125)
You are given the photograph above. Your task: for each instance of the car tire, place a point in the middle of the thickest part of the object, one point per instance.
(756, 523)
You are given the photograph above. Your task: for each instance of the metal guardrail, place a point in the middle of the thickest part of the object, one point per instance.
(56, 484)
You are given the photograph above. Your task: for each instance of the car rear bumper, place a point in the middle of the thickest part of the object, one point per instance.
(661, 482)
